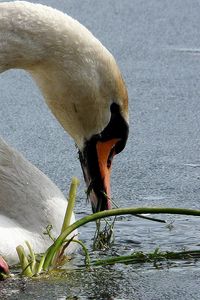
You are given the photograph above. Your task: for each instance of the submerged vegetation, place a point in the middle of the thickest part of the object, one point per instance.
(54, 257)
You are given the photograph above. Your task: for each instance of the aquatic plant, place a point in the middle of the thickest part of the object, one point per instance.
(54, 256)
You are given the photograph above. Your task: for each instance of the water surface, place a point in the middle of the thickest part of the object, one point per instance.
(156, 44)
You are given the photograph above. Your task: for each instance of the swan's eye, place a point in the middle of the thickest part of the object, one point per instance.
(110, 157)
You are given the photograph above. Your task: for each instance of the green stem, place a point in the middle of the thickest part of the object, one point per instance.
(32, 255)
(108, 213)
(85, 250)
(140, 257)
(71, 202)
(26, 269)
(68, 213)
(41, 263)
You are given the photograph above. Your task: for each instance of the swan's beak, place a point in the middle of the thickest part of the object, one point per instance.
(97, 155)
(96, 162)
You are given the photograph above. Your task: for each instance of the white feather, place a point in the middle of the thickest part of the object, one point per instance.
(79, 79)
(29, 201)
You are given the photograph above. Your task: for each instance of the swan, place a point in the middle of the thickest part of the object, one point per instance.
(84, 89)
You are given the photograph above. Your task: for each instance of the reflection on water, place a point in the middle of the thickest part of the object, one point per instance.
(158, 50)
(117, 281)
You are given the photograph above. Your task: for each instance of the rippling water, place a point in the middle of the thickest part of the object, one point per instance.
(156, 44)
(118, 281)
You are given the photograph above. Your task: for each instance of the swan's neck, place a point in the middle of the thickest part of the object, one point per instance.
(72, 68)
(19, 42)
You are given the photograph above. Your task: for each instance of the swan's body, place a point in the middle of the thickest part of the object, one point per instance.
(83, 87)
(29, 201)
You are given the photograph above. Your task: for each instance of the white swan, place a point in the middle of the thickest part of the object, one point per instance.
(83, 87)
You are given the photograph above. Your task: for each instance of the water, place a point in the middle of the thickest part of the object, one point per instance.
(142, 281)
(157, 46)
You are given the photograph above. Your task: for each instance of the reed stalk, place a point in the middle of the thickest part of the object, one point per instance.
(71, 203)
(140, 257)
(103, 214)
(25, 265)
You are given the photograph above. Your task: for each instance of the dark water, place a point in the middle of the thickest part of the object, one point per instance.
(157, 46)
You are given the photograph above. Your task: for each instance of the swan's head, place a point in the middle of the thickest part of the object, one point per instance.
(106, 138)
(89, 98)
(84, 89)
(97, 155)
(93, 109)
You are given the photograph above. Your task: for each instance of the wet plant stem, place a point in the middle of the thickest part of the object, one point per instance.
(68, 214)
(71, 202)
(26, 268)
(140, 257)
(103, 214)
(85, 250)
(32, 255)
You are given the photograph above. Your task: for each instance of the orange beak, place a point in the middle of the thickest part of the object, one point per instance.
(105, 154)
(96, 158)
(96, 161)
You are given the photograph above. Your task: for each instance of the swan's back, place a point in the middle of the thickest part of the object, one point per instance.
(29, 201)
(19, 179)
